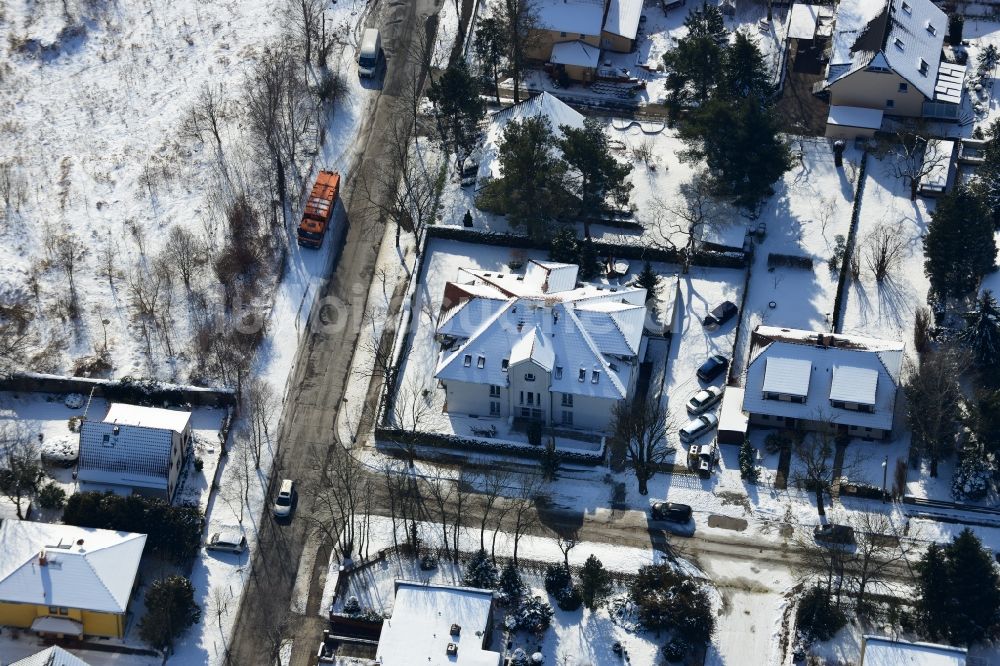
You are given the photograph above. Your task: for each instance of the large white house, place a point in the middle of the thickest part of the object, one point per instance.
(141, 448)
(539, 346)
(803, 379)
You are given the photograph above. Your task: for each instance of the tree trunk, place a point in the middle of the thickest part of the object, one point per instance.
(643, 481)
(819, 501)
(913, 189)
(934, 466)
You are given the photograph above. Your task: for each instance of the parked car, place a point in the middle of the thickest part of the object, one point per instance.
(832, 533)
(698, 427)
(704, 399)
(713, 367)
(285, 501)
(720, 314)
(227, 542)
(670, 511)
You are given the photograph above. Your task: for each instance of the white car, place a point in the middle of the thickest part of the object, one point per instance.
(704, 399)
(227, 542)
(698, 427)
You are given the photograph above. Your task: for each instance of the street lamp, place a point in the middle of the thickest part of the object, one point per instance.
(885, 472)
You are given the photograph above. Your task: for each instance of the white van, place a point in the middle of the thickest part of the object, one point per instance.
(285, 500)
(371, 53)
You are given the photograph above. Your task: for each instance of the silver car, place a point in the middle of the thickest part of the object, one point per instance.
(227, 542)
(704, 399)
(698, 427)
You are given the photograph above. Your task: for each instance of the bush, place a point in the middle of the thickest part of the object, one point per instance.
(668, 600)
(51, 497)
(676, 650)
(480, 572)
(532, 614)
(569, 598)
(199, 464)
(749, 471)
(972, 478)
(510, 587)
(535, 433)
(789, 260)
(170, 610)
(817, 618)
(557, 578)
(776, 441)
(352, 606)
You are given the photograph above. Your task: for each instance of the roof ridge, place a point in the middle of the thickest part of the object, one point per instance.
(98, 576)
(479, 331)
(597, 354)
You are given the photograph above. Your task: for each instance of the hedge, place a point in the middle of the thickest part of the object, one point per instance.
(790, 260)
(454, 442)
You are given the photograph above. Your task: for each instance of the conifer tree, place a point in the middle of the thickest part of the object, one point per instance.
(595, 582)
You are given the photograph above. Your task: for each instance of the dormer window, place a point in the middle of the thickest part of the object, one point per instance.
(899, 43)
(923, 67)
(907, 8)
(504, 364)
(481, 362)
(467, 361)
(558, 372)
(613, 366)
(529, 377)
(583, 374)
(931, 29)
(595, 376)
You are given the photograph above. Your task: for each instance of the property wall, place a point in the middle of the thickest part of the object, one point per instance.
(543, 40)
(871, 90)
(616, 43)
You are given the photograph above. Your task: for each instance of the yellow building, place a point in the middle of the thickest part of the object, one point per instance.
(64, 581)
(565, 21)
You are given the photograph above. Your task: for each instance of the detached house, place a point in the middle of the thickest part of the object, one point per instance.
(886, 58)
(140, 448)
(812, 381)
(539, 346)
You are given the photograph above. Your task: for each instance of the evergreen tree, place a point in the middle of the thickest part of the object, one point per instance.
(982, 332)
(748, 465)
(695, 64)
(170, 610)
(986, 421)
(595, 583)
(987, 179)
(959, 247)
(491, 47)
(933, 591)
(648, 280)
(550, 461)
(458, 109)
(511, 585)
(594, 173)
(564, 247)
(739, 141)
(590, 264)
(744, 73)
(480, 572)
(974, 588)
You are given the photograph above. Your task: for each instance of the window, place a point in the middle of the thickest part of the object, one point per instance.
(904, 88)
(504, 364)
(770, 396)
(529, 377)
(907, 8)
(839, 404)
(53, 610)
(531, 398)
(562, 34)
(522, 398)
(567, 418)
(890, 103)
(595, 376)
(525, 413)
(613, 367)
(931, 29)
(798, 399)
(481, 362)
(899, 43)
(494, 408)
(467, 361)
(923, 67)
(558, 372)
(494, 391)
(567, 399)
(583, 374)
(63, 610)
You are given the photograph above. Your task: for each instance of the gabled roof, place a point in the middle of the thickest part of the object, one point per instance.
(52, 656)
(582, 17)
(841, 367)
(97, 574)
(125, 454)
(788, 376)
(575, 53)
(905, 36)
(148, 417)
(623, 18)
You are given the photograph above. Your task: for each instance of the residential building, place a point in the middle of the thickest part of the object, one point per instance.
(880, 651)
(138, 448)
(61, 581)
(565, 21)
(621, 25)
(438, 625)
(813, 381)
(538, 345)
(577, 60)
(52, 656)
(887, 55)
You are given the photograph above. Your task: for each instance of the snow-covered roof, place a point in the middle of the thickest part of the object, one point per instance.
(125, 454)
(84, 568)
(905, 36)
(582, 17)
(49, 624)
(623, 18)
(575, 53)
(52, 656)
(582, 331)
(802, 21)
(879, 651)
(852, 358)
(543, 105)
(855, 116)
(420, 628)
(148, 417)
(732, 418)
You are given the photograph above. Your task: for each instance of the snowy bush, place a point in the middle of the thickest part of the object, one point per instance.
(480, 572)
(51, 497)
(557, 578)
(624, 613)
(532, 614)
(972, 478)
(569, 599)
(352, 606)
(817, 617)
(510, 588)
(669, 600)
(748, 467)
(520, 658)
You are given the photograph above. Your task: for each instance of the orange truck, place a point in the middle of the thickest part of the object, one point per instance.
(319, 209)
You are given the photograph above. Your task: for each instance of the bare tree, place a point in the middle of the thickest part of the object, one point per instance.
(260, 405)
(882, 249)
(108, 260)
(814, 454)
(524, 515)
(566, 540)
(303, 26)
(338, 500)
(412, 410)
(21, 470)
(186, 252)
(68, 254)
(12, 186)
(880, 548)
(442, 493)
(915, 156)
(679, 227)
(493, 482)
(642, 428)
(239, 484)
(210, 111)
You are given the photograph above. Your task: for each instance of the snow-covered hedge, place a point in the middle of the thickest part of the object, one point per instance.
(436, 439)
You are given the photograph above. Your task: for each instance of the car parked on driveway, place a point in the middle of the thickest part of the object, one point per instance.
(704, 399)
(713, 367)
(831, 533)
(670, 511)
(227, 542)
(698, 427)
(720, 314)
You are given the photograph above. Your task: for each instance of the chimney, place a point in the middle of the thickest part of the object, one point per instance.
(547, 320)
(43, 559)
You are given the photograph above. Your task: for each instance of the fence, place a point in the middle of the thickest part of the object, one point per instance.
(126, 389)
(852, 236)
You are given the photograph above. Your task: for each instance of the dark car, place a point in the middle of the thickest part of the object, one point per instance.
(671, 511)
(720, 315)
(713, 367)
(831, 533)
